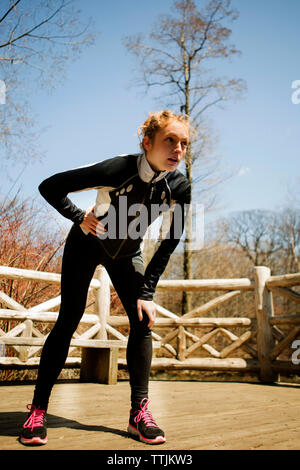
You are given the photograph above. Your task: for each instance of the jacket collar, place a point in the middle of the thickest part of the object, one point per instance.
(146, 173)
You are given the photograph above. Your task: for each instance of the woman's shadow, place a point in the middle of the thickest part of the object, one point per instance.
(11, 424)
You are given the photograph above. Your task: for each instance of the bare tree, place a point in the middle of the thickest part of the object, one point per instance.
(26, 242)
(37, 40)
(290, 226)
(175, 58)
(265, 237)
(255, 232)
(290, 232)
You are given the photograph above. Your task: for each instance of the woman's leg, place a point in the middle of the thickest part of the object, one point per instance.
(78, 266)
(127, 276)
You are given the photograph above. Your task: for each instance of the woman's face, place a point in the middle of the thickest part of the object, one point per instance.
(168, 147)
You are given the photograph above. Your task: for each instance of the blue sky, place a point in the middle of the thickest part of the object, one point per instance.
(94, 114)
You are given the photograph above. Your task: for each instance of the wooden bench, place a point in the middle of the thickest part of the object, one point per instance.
(99, 361)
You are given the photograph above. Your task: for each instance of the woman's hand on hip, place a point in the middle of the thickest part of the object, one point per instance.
(149, 307)
(91, 223)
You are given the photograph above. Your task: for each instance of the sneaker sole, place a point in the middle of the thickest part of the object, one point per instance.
(135, 432)
(35, 441)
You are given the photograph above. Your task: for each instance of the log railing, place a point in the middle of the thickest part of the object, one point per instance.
(256, 347)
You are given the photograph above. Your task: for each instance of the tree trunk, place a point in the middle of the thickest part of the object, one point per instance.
(187, 254)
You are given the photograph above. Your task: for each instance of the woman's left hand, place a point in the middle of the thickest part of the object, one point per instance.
(149, 307)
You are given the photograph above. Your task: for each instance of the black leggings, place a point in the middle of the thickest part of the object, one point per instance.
(81, 256)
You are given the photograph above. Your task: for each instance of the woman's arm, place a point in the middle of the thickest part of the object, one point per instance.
(56, 188)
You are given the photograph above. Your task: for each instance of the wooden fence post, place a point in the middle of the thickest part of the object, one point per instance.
(181, 344)
(24, 350)
(102, 301)
(264, 310)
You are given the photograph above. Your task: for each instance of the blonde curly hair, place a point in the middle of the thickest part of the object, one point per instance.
(158, 120)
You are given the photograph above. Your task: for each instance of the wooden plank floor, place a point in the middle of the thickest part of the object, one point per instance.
(194, 415)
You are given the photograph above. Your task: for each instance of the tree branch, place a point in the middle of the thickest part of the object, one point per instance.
(27, 33)
(9, 10)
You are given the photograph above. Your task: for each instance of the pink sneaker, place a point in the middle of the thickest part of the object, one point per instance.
(34, 430)
(142, 425)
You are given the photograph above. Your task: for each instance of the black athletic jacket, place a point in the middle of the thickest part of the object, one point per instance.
(127, 219)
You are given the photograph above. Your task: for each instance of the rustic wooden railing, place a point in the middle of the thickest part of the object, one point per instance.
(260, 337)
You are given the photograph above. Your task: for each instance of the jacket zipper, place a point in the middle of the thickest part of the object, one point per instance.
(151, 192)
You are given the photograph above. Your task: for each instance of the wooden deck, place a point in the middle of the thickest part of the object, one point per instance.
(194, 415)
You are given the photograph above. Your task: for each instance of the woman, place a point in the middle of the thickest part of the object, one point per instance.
(111, 236)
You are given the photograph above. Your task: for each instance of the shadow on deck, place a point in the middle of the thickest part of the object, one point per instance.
(194, 415)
